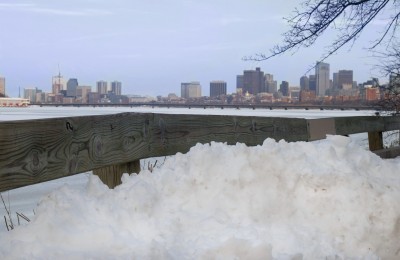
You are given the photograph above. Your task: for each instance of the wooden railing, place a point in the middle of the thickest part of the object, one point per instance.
(34, 151)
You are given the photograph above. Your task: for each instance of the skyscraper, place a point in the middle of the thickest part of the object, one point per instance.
(253, 81)
(335, 80)
(239, 82)
(2, 87)
(217, 88)
(116, 88)
(191, 90)
(345, 79)
(304, 83)
(270, 85)
(72, 84)
(58, 84)
(284, 88)
(321, 78)
(102, 87)
(312, 83)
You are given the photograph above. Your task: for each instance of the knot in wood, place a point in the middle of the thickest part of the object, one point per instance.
(69, 126)
(37, 161)
(128, 143)
(98, 146)
(253, 125)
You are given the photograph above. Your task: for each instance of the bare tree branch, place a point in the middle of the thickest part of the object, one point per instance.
(348, 17)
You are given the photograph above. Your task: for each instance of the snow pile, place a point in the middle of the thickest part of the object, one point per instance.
(320, 200)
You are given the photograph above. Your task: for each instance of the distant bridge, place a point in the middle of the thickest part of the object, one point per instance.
(222, 106)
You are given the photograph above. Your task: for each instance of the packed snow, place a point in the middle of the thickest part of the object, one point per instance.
(330, 199)
(34, 112)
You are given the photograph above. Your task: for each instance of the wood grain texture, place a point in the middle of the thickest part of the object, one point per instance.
(359, 124)
(35, 151)
(375, 141)
(111, 175)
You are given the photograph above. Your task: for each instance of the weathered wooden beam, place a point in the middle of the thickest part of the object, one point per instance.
(111, 175)
(375, 141)
(319, 128)
(35, 151)
(359, 124)
(388, 153)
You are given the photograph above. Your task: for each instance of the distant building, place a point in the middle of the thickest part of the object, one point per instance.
(371, 93)
(312, 83)
(294, 93)
(344, 79)
(58, 84)
(239, 82)
(68, 100)
(253, 81)
(30, 93)
(191, 90)
(82, 92)
(322, 78)
(41, 97)
(2, 87)
(72, 84)
(13, 102)
(335, 84)
(307, 96)
(94, 97)
(270, 85)
(284, 88)
(304, 83)
(217, 88)
(394, 83)
(102, 87)
(116, 88)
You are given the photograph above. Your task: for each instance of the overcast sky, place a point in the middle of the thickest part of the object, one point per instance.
(151, 46)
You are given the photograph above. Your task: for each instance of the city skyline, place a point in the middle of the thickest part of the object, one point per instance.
(109, 85)
(153, 46)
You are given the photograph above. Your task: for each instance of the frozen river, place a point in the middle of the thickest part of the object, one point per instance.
(34, 112)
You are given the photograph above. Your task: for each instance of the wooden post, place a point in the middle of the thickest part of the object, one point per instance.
(375, 141)
(111, 175)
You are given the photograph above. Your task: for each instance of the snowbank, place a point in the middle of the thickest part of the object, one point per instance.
(320, 200)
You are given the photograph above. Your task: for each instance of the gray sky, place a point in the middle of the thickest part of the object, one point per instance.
(151, 46)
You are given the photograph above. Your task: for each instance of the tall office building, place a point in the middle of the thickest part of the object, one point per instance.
(239, 82)
(253, 81)
(345, 79)
(2, 87)
(284, 88)
(270, 85)
(312, 83)
(102, 87)
(322, 78)
(335, 77)
(30, 93)
(116, 88)
(191, 90)
(394, 83)
(304, 83)
(72, 84)
(217, 88)
(58, 84)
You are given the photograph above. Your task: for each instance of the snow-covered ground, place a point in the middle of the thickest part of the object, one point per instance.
(330, 199)
(33, 112)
